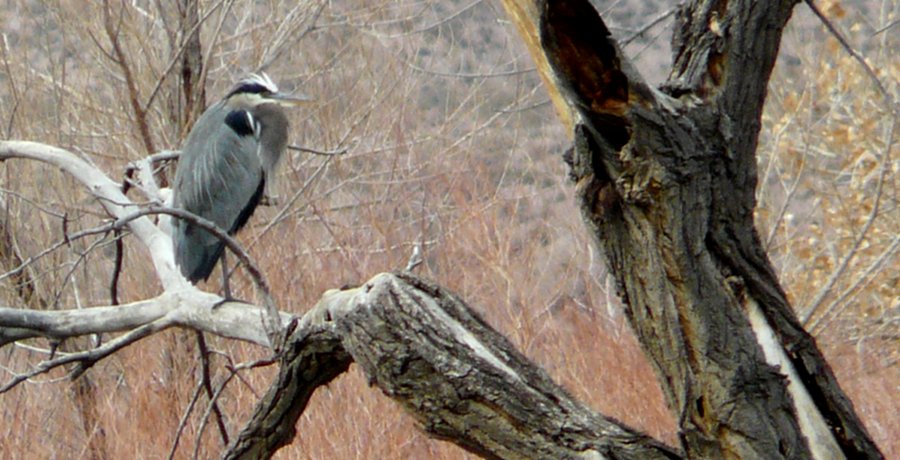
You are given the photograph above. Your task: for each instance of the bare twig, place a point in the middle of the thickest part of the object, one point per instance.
(117, 269)
(298, 148)
(66, 240)
(863, 232)
(209, 409)
(140, 113)
(81, 257)
(831, 311)
(658, 19)
(290, 203)
(93, 355)
(235, 370)
(886, 27)
(464, 75)
(855, 54)
(35, 204)
(207, 385)
(281, 38)
(182, 423)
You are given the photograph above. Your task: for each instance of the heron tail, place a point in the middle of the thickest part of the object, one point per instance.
(197, 258)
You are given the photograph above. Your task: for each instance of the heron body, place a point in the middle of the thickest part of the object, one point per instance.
(228, 156)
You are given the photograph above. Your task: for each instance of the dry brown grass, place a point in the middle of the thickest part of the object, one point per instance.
(451, 146)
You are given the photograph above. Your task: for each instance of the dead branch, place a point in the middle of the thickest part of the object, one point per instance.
(463, 381)
(93, 355)
(189, 308)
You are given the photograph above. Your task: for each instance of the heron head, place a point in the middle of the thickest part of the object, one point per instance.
(257, 89)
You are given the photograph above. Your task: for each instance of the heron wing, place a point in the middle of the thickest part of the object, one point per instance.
(219, 178)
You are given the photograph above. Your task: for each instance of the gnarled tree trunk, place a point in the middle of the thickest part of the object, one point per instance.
(666, 178)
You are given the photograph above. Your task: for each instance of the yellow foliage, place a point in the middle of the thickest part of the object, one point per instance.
(827, 166)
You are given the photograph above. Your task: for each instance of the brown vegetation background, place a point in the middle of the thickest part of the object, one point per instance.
(451, 145)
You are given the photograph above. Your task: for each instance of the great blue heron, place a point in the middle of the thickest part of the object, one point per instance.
(230, 153)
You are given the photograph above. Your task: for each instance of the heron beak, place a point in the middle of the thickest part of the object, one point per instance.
(291, 100)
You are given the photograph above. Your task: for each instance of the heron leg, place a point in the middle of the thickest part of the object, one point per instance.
(226, 287)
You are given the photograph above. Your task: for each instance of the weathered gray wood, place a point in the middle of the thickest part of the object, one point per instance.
(463, 381)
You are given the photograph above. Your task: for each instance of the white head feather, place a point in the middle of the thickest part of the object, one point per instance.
(257, 79)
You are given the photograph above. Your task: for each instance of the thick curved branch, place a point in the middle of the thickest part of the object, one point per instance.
(313, 357)
(463, 381)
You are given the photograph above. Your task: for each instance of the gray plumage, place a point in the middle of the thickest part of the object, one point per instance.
(229, 155)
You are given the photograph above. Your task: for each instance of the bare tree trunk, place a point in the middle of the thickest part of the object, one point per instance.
(666, 181)
(192, 88)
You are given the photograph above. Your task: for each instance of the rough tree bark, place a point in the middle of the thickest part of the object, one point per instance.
(666, 180)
